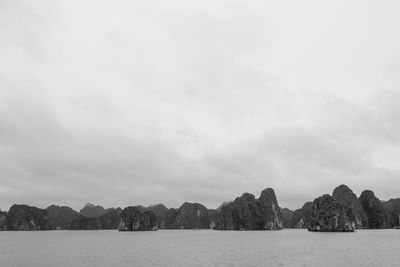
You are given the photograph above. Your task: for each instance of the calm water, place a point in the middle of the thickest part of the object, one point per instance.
(200, 248)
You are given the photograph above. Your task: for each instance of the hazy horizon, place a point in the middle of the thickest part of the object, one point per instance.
(78, 207)
(132, 102)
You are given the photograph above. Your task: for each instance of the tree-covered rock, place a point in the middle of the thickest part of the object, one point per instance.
(110, 219)
(376, 214)
(3, 216)
(212, 217)
(170, 219)
(192, 216)
(330, 215)
(84, 223)
(248, 213)
(160, 211)
(92, 211)
(188, 216)
(392, 208)
(223, 204)
(226, 219)
(302, 217)
(134, 220)
(60, 217)
(345, 195)
(271, 216)
(287, 215)
(26, 218)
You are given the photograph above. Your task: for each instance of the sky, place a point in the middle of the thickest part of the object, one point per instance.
(123, 103)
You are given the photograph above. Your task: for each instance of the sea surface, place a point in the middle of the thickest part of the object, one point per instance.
(288, 247)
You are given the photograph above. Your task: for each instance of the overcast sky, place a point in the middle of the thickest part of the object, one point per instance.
(139, 102)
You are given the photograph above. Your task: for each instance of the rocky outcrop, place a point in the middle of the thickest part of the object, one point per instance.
(170, 219)
(297, 220)
(345, 195)
(26, 218)
(242, 214)
(212, 218)
(167, 218)
(392, 208)
(376, 214)
(188, 216)
(192, 216)
(330, 215)
(287, 215)
(60, 217)
(84, 223)
(302, 217)
(271, 216)
(223, 204)
(110, 219)
(160, 211)
(248, 213)
(3, 215)
(226, 219)
(134, 220)
(92, 211)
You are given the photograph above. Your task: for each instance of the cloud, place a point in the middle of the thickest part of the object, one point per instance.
(140, 103)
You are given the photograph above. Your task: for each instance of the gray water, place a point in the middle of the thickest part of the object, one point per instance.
(200, 248)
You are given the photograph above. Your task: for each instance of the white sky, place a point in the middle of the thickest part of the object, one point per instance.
(139, 102)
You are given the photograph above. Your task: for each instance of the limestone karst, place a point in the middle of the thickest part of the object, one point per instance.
(134, 220)
(248, 213)
(330, 215)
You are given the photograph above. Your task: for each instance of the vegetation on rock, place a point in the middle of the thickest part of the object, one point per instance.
(345, 195)
(60, 217)
(134, 220)
(330, 215)
(376, 214)
(392, 208)
(26, 218)
(248, 213)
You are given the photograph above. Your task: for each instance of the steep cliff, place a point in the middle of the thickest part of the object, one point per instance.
(248, 213)
(287, 216)
(376, 214)
(92, 211)
(160, 211)
(301, 217)
(330, 215)
(110, 219)
(60, 217)
(392, 208)
(188, 216)
(84, 223)
(24, 217)
(345, 195)
(193, 216)
(134, 220)
(3, 216)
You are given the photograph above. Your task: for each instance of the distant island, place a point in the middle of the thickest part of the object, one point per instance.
(342, 211)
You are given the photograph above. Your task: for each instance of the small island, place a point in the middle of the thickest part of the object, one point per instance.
(342, 211)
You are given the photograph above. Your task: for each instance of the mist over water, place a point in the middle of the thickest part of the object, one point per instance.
(289, 247)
